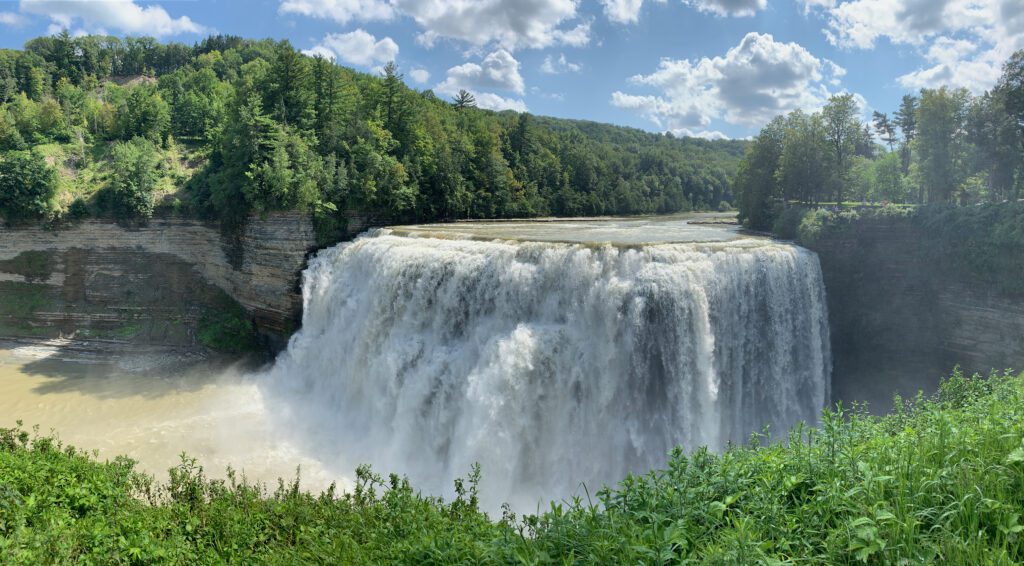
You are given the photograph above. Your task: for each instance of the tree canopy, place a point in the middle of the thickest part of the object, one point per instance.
(259, 126)
(942, 145)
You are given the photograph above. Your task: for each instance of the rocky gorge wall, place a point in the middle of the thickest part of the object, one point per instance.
(112, 285)
(901, 320)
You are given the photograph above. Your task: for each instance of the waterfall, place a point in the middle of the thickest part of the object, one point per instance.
(549, 364)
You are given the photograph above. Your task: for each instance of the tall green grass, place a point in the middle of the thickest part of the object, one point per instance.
(940, 480)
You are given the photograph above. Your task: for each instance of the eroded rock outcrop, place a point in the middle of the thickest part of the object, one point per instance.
(150, 284)
(901, 319)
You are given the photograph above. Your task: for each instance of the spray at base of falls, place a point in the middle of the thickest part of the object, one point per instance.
(549, 364)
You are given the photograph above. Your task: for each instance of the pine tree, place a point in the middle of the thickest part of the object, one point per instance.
(464, 99)
(885, 128)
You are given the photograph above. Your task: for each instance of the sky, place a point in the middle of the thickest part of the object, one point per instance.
(708, 68)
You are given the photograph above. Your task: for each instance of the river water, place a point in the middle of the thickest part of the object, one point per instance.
(217, 415)
(553, 353)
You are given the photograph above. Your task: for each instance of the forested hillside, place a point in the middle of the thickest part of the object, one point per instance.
(105, 126)
(941, 146)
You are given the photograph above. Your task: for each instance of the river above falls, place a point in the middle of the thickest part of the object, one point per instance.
(617, 231)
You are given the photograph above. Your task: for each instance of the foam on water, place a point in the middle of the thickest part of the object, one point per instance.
(550, 364)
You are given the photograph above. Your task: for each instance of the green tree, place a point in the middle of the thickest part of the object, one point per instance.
(464, 99)
(143, 114)
(288, 96)
(889, 184)
(333, 102)
(756, 182)
(1011, 87)
(803, 165)
(134, 176)
(1009, 95)
(393, 105)
(27, 185)
(941, 116)
(906, 119)
(10, 137)
(250, 140)
(842, 131)
(197, 100)
(995, 150)
(862, 179)
(25, 113)
(52, 122)
(886, 128)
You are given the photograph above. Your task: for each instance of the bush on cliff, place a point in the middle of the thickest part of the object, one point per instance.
(985, 241)
(940, 480)
(227, 329)
(980, 242)
(133, 178)
(27, 185)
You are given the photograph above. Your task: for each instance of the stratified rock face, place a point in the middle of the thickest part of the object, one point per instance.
(150, 284)
(901, 320)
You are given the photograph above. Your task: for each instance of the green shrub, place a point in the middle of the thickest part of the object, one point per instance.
(939, 480)
(27, 185)
(78, 209)
(983, 241)
(227, 330)
(788, 221)
(134, 177)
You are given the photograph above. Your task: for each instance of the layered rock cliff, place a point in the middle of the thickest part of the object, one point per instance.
(901, 319)
(150, 284)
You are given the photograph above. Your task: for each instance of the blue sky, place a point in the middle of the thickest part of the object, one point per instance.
(711, 68)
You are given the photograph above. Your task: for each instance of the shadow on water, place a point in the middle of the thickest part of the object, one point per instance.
(115, 374)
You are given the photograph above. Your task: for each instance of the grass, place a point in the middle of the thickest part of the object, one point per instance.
(84, 170)
(940, 480)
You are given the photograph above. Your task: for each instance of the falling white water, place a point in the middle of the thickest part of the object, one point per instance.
(550, 364)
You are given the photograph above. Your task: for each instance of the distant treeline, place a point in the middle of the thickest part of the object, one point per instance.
(273, 129)
(940, 146)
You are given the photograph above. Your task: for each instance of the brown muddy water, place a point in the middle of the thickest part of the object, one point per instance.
(216, 415)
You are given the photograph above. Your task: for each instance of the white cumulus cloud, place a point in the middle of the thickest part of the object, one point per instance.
(9, 18)
(623, 11)
(419, 75)
(628, 11)
(356, 48)
(512, 24)
(341, 11)
(812, 4)
(753, 82)
(498, 71)
(739, 8)
(122, 15)
(492, 101)
(553, 66)
(963, 43)
(704, 134)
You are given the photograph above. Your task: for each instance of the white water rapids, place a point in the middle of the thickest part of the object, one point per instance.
(550, 364)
